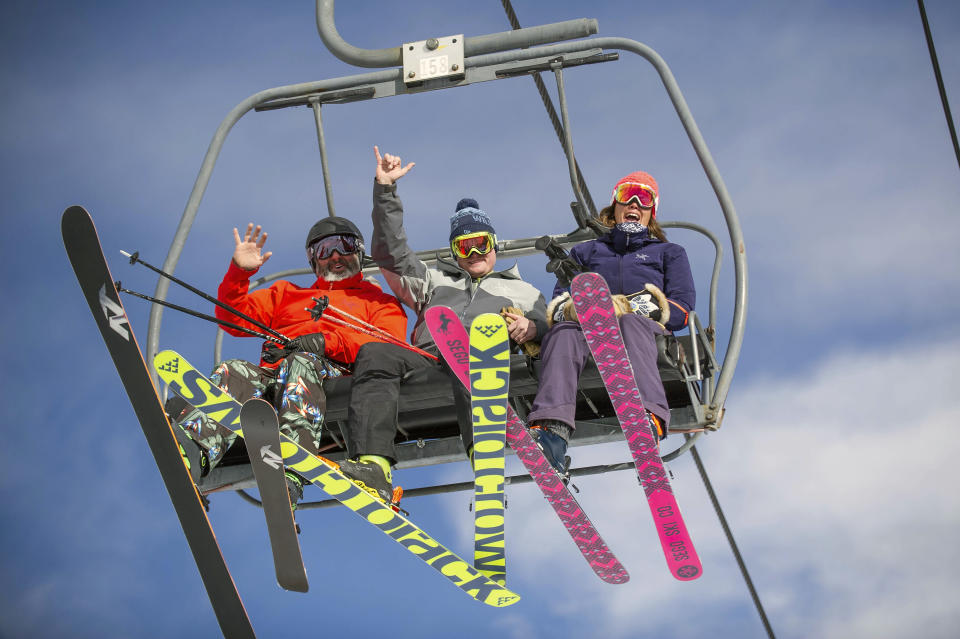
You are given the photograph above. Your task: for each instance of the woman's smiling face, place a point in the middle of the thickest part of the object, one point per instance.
(632, 212)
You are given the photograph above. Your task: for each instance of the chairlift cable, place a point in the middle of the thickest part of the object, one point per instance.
(733, 544)
(939, 77)
(551, 111)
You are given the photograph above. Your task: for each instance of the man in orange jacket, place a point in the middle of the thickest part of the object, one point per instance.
(292, 377)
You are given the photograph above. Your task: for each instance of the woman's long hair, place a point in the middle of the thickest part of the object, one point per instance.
(608, 219)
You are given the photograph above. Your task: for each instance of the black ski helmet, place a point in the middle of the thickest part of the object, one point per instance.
(332, 226)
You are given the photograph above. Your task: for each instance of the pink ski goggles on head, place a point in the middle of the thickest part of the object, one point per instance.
(645, 195)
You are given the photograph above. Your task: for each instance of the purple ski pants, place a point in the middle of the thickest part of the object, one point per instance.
(564, 353)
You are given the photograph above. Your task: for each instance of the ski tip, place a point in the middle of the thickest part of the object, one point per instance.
(294, 585)
(616, 577)
(76, 209)
(74, 217)
(501, 598)
(253, 401)
(688, 572)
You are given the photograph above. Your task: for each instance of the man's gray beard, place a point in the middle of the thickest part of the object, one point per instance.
(353, 267)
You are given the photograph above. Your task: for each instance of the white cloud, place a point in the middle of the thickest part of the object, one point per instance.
(837, 487)
(851, 470)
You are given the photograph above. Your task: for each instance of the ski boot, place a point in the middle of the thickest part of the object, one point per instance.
(194, 457)
(656, 426)
(370, 476)
(552, 437)
(294, 489)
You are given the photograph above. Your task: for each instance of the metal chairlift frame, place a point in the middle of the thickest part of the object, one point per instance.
(486, 58)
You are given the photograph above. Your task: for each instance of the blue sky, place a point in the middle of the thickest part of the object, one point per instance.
(837, 456)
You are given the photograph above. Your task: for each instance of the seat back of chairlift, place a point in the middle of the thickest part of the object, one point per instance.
(696, 389)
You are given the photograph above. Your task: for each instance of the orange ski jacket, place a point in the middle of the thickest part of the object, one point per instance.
(285, 307)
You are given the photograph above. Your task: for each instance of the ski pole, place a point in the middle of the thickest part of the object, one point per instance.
(323, 304)
(385, 335)
(199, 315)
(243, 329)
(390, 339)
(357, 320)
(135, 259)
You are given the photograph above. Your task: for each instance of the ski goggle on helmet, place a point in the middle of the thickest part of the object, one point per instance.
(644, 194)
(342, 244)
(480, 243)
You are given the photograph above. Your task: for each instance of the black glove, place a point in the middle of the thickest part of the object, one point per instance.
(310, 343)
(272, 353)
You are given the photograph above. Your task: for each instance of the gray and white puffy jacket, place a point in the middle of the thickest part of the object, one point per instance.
(420, 287)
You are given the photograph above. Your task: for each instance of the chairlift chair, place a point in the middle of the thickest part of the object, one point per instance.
(696, 382)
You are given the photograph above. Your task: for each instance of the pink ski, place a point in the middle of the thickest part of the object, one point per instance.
(451, 338)
(591, 298)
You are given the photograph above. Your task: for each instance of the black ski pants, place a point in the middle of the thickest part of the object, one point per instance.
(378, 376)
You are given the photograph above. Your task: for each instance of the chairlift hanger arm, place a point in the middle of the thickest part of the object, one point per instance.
(473, 45)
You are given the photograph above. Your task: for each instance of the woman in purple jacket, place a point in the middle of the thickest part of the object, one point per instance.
(652, 286)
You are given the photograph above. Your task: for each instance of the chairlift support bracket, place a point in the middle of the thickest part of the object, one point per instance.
(566, 61)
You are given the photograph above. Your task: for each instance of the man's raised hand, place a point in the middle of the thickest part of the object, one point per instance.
(247, 254)
(390, 168)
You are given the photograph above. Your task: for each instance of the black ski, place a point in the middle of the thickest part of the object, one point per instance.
(261, 430)
(86, 255)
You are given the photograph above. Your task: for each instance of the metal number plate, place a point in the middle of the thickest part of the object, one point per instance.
(435, 66)
(433, 58)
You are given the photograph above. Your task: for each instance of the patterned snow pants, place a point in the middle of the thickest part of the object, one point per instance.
(295, 388)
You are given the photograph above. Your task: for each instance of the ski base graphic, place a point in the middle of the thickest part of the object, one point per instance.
(489, 387)
(262, 434)
(196, 389)
(452, 340)
(86, 256)
(601, 328)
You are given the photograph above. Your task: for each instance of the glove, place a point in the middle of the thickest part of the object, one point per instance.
(621, 305)
(309, 343)
(650, 302)
(530, 348)
(561, 309)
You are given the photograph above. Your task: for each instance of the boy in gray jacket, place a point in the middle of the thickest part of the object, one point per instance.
(470, 286)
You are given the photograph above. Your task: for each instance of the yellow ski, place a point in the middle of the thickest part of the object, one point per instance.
(195, 388)
(489, 387)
